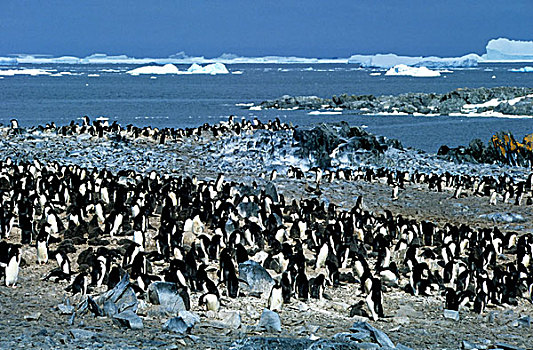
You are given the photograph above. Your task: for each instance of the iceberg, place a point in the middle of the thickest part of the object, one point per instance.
(527, 69)
(503, 49)
(166, 69)
(212, 69)
(391, 60)
(418, 72)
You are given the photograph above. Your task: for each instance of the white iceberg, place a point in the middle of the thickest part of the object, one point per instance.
(166, 69)
(32, 72)
(503, 49)
(527, 69)
(214, 68)
(418, 72)
(391, 60)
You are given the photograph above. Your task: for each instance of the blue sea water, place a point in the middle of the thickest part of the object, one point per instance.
(191, 100)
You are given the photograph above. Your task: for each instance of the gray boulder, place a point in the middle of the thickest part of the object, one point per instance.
(270, 321)
(257, 279)
(167, 295)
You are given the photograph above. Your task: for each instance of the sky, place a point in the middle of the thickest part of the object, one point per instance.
(313, 28)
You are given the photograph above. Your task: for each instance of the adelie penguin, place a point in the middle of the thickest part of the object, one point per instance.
(374, 299)
(275, 299)
(42, 246)
(13, 265)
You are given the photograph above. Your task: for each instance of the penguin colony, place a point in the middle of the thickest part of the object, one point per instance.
(195, 233)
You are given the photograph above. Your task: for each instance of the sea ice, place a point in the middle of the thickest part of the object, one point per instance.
(418, 72)
(32, 72)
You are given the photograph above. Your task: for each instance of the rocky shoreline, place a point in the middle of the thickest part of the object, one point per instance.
(247, 154)
(513, 101)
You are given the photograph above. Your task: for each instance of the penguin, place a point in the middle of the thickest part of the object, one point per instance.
(42, 246)
(211, 302)
(286, 287)
(275, 299)
(13, 265)
(80, 284)
(374, 299)
(316, 286)
(302, 285)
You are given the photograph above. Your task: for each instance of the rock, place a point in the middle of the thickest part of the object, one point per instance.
(65, 308)
(110, 309)
(190, 318)
(466, 345)
(33, 317)
(82, 334)
(177, 325)
(231, 320)
(270, 321)
(367, 346)
(257, 279)
(503, 217)
(506, 346)
(525, 321)
(273, 343)
(400, 346)
(167, 295)
(352, 337)
(451, 314)
(378, 335)
(129, 319)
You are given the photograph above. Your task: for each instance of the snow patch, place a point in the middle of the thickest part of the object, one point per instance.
(418, 72)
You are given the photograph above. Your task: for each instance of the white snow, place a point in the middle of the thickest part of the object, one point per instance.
(527, 69)
(391, 60)
(503, 49)
(32, 72)
(418, 72)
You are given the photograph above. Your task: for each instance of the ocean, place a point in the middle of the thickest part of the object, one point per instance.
(191, 100)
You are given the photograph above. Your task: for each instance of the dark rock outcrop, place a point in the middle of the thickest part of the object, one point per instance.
(424, 103)
(322, 140)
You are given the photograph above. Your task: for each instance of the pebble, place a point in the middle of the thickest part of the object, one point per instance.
(33, 317)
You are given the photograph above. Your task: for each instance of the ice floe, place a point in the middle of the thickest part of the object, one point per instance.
(418, 72)
(25, 71)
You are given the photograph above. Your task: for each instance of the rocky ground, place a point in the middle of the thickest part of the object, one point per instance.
(504, 100)
(30, 316)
